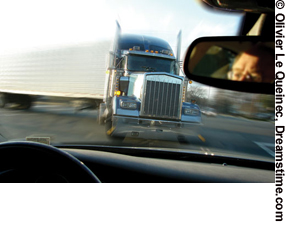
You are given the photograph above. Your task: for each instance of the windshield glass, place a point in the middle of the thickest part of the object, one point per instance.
(150, 64)
(57, 80)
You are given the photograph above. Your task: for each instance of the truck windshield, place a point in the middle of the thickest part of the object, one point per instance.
(150, 64)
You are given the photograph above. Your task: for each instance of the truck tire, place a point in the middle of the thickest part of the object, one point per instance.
(25, 102)
(25, 105)
(109, 131)
(3, 100)
(101, 110)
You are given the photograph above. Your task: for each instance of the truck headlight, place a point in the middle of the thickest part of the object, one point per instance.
(128, 104)
(192, 112)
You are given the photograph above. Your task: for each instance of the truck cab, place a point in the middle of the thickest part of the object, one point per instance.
(145, 91)
(135, 54)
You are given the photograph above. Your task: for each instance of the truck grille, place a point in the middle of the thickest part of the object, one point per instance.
(162, 97)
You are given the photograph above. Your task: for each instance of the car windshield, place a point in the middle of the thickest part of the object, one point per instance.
(60, 84)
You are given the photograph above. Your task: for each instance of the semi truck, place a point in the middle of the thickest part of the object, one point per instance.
(134, 81)
(71, 73)
(145, 93)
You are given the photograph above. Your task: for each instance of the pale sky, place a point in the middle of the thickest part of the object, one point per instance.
(28, 24)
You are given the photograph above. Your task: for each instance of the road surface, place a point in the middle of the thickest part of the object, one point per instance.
(63, 124)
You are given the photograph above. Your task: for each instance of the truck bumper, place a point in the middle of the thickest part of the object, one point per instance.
(150, 128)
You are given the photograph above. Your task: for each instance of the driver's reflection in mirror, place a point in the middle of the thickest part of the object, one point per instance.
(254, 65)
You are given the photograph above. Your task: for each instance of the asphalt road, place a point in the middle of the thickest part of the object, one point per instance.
(63, 124)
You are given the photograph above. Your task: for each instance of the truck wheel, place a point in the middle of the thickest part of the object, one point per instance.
(100, 117)
(25, 105)
(108, 127)
(25, 102)
(109, 130)
(3, 100)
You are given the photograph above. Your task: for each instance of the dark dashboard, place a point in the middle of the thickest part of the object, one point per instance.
(114, 167)
(29, 162)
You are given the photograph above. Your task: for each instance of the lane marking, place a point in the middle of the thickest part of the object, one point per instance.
(203, 150)
(265, 146)
(201, 138)
(110, 131)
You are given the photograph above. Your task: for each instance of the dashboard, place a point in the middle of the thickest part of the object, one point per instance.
(29, 162)
(114, 167)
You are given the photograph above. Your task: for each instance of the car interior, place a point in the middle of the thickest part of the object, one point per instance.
(29, 162)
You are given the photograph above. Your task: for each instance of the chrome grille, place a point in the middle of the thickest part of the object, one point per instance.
(162, 98)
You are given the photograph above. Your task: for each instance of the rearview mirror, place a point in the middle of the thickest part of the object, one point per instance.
(235, 63)
(257, 6)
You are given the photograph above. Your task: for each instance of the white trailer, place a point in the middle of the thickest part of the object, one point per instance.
(74, 72)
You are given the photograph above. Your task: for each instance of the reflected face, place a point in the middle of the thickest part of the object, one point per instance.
(254, 65)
